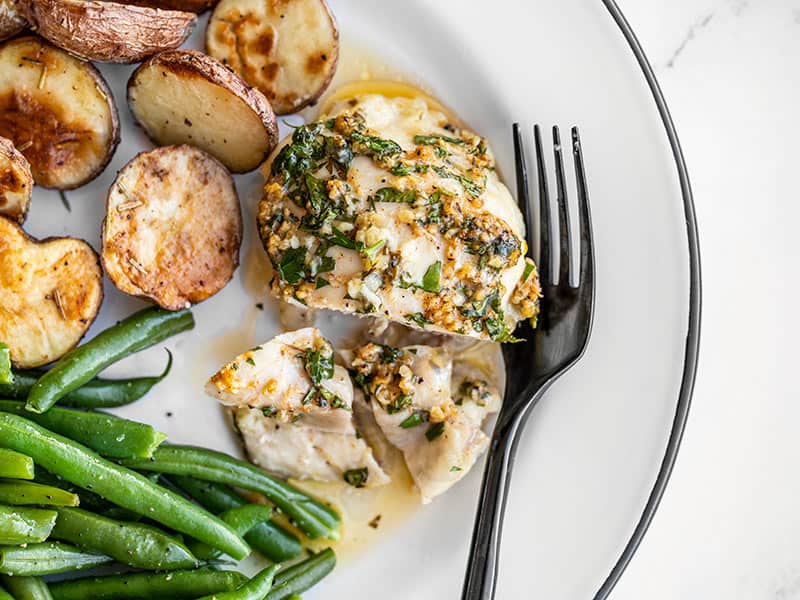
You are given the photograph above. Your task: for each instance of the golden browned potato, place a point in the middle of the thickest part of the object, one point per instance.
(186, 97)
(195, 6)
(173, 227)
(50, 292)
(11, 19)
(16, 182)
(288, 50)
(109, 31)
(58, 112)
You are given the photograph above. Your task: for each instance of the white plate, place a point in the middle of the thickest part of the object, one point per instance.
(592, 449)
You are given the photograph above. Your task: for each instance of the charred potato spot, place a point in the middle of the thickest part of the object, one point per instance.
(57, 111)
(109, 31)
(173, 227)
(16, 182)
(288, 50)
(50, 293)
(186, 97)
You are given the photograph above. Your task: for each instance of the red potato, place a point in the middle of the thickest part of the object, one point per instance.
(58, 112)
(288, 50)
(186, 97)
(173, 227)
(50, 293)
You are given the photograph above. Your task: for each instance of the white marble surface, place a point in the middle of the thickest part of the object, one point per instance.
(729, 524)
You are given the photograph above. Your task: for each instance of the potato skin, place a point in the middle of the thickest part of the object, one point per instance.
(50, 293)
(58, 111)
(16, 182)
(173, 227)
(11, 19)
(191, 64)
(109, 31)
(287, 49)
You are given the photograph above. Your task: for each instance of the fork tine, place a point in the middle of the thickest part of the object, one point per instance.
(584, 214)
(545, 259)
(523, 191)
(564, 233)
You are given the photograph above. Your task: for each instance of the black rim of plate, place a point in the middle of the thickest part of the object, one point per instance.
(693, 334)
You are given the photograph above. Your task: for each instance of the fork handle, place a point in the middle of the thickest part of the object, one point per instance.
(482, 565)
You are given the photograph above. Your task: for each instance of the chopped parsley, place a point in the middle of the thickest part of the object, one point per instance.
(318, 365)
(469, 186)
(249, 360)
(321, 283)
(432, 140)
(417, 318)
(371, 252)
(269, 411)
(399, 403)
(292, 266)
(434, 431)
(529, 267)
(414, 420)
(390, 194)
(389, 354)
(374, 146)
(455, 469)
(430, 281)
(339, 238)
(477, 309)
(321, 210)
(498, 330)
(356, 477)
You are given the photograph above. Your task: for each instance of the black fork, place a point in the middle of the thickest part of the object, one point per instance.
(559, 340)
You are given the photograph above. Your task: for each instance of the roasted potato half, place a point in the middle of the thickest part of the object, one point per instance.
(195, 6)
(16, 182)
(50, 292)
(173, 227)
(58, 112)
(186, 97)
(109, 31)
(288, 50)
(11, 19)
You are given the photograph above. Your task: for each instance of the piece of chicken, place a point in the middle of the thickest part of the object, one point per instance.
(293, 408)
(437, 427)
(276, 377)
(384, 207)
(301, 452)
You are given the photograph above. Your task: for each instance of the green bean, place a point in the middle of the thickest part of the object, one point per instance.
(6, 376)
(134, 544)
(46, 559)
(25, 492)
(255, 589)
(139, 331)
(95, 393)
(88, 500)
(311, 516)
(27, 588)
(302, 576)
(23, 525)
(269, 539)
(15, 465)
(241, 519)
(4, 595)
(119, 485)
(176, 585)
(105, 434)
